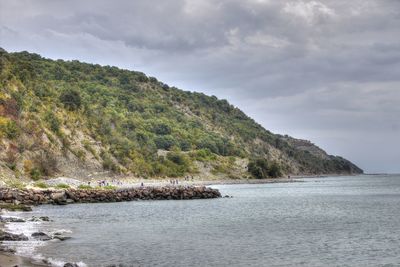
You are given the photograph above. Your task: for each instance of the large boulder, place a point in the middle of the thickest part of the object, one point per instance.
(59, 197)
(41, 236)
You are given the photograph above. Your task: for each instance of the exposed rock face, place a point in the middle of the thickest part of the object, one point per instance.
(67, 196)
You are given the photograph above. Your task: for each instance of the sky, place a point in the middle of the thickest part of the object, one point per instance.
(327, 71)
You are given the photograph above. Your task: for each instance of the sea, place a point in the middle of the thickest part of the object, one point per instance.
(330, 221)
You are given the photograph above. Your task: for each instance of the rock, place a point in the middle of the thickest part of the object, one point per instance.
(14, 207)
(41, 236)
(59, 197)
(34, 219)
(4, 236)
(11, 219)
(68, 264)
(61, 237)
(44, 218)
(68, 196)
(6, 249)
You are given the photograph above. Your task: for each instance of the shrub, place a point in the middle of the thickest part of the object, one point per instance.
(88, 147)
(261, 169)
(177, 158)
(15, 184)
(165, 142)
(35, 174)
(275, 170)
(46, 163)
(71, 99)
(52, 120)
(79, 153)
(162, 129)
(203, 155)
(8, 128)
(184, 145)
(11, 130)
(108, 164)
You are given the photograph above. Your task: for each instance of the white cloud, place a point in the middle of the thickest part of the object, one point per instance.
(311, 11)
(324, 70)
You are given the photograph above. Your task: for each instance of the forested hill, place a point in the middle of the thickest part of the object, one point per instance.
(81, 120)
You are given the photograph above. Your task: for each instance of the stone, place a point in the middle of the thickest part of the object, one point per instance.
(41, 236)
(61, 237)
(5, 236)
(44, 218)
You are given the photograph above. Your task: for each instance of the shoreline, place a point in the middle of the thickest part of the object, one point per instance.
(10, 259)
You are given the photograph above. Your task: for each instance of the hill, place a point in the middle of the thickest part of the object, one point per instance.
(84, 120)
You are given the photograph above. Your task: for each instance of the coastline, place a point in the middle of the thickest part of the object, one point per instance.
(130, 183)
(9, 259)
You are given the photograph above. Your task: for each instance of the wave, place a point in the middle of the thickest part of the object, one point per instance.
(28, 248)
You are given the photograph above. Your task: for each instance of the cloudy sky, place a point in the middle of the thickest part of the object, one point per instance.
(325, 70)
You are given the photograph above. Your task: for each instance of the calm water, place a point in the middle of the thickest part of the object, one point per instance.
(338, 221)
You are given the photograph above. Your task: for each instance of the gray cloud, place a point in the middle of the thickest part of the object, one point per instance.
(324, 70)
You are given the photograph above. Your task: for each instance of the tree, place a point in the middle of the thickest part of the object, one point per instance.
(71, 99)
(275, 170)
(261, 169)
(258, 168)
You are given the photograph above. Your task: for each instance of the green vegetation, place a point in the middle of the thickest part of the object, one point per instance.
(42, 185)
(261, 169)
(84, 187)
(107, 187)
(16, 184)
(130, 123)
(62, 186)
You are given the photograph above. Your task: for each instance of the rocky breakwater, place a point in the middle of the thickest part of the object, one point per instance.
(67, 196)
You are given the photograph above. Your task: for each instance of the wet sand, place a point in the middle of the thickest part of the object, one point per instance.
(10, 260)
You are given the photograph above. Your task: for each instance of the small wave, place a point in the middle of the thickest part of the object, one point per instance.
(61, 231)
(40, 259)
(23, 248)
(27, 248)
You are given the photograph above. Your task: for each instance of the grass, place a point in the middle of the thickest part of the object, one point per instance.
(107, 187)
(84, 186)
(42, 185)
(15, 184)
(62, 186)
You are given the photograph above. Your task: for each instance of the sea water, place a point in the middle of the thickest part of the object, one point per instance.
(332, 221)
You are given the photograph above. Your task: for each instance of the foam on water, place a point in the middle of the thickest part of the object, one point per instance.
(29, 248)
